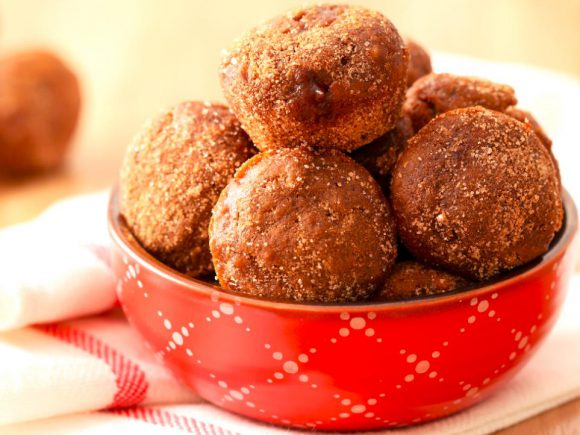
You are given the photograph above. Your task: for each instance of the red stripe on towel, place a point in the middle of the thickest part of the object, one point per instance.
(130, 379)
(164, 418)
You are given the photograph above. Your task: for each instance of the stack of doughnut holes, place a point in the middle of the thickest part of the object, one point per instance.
(342, 170)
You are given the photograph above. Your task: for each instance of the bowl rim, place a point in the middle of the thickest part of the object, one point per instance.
(131, 247)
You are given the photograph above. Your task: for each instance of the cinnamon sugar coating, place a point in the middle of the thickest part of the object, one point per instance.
(475, 192)
(528, 119)
(172, 175)
(434, 94)
(39, 108)
(379, 157)
(410, 279)
(327, 76)
(419, 62)
(303, 225)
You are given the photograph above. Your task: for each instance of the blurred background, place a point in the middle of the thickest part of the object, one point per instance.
(137, 56)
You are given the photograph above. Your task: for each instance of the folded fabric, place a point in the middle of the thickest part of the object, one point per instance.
(102, 364)
(56, 266)
(90, 364)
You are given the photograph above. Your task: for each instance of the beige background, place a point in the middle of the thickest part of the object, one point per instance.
(135, 56)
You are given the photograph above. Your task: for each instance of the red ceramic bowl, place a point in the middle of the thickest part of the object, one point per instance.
(342, 367)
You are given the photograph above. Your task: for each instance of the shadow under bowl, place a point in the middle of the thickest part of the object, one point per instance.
(342, 367)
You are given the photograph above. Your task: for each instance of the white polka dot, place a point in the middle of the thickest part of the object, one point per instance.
(238, 320)
(344, 316)
(523, 342)
(435, 354)
(245, 390)
(483, 306)
(216, 314)
(333, 340)
(345, 402)
(267, 346)
(462, 330)
(344, 415)
(412, 358)
(518, 336)
(379, 340)
(512, 355)
(303, 378)
(159, 313)
(140, 284)
(177, 338)
(372, 401)
(188, 352)
(433, 374)
(145, 295)
(370, 332)
(167, 324)
(473, 301)
(486, 381)
(336, 396)
(372, 315)
(466, 387)
(184, 331)
(398, 387)
(269, 381)
(343, 332)
(422, 366)
(491, 313)
(290, 367)
(222, 384)
(251, 404)
(172, 345)
(314, 386)
(358, 323)
(369, 414)
(303, 358)
(277, 355)
(132, 271)
(533, 329)
(471, 319)
(402, 351)
(211, 375)
(494, 296)
(409, 378)
(207, 319)
(358, 409)
(472, 391)
(227, 309)
(228, 398)
(312, 350)
(278, 375)
(445, 343)
(191, 325)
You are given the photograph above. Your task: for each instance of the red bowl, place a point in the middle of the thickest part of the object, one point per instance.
(342, 367)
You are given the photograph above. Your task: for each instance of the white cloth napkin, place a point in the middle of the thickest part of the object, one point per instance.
(56, 267)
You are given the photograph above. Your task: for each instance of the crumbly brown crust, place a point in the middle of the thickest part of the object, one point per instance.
(379, 157)
(39, 108)
(528, 119)
(476, 192)
(410, 279)
(434, 94)
(327, 76)
(303, 225)
(419, 62)
(172, 175)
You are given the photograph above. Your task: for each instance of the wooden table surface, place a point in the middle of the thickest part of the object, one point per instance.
(136, 56)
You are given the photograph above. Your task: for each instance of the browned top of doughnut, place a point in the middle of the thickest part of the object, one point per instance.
(434, 94)
(477, 193)
(410, 279)
(419, 62)
(303, 225)
(328, 75)
(172, 175)
(39, 108)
